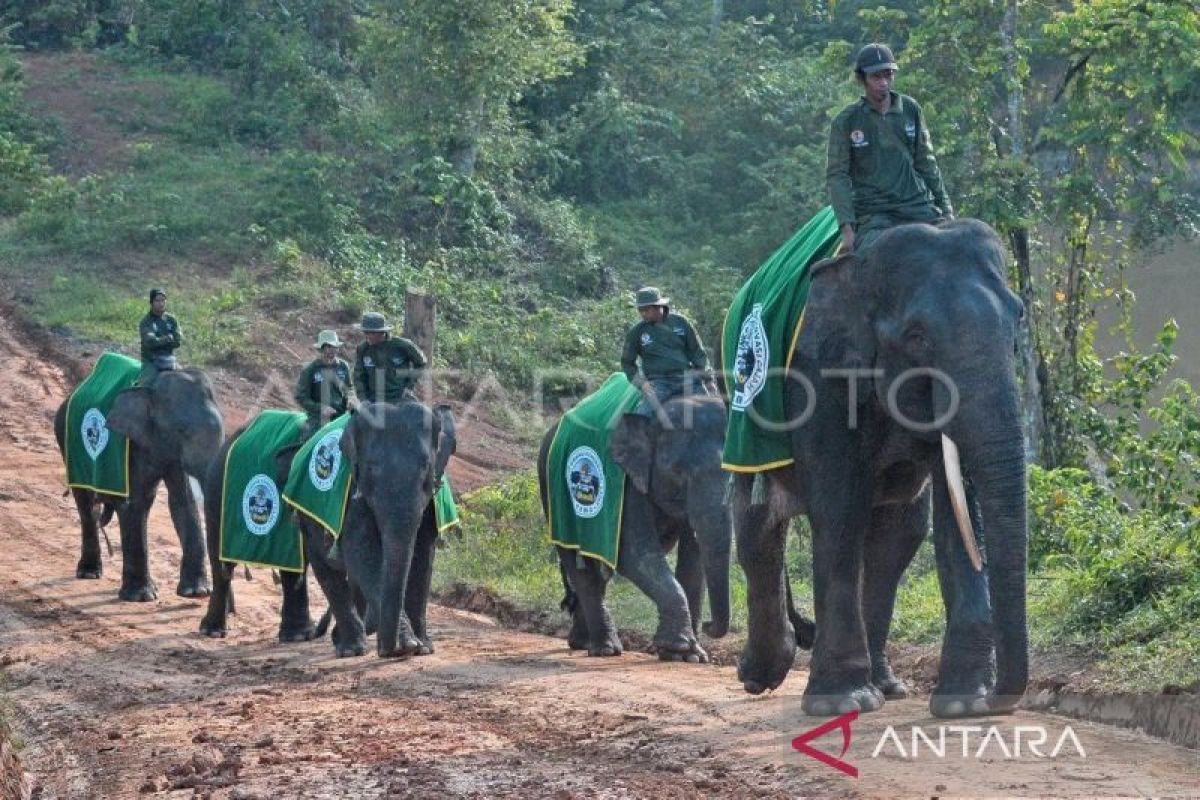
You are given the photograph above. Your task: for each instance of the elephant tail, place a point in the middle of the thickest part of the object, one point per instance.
(570, 600)
(323, 625)
(805, 628)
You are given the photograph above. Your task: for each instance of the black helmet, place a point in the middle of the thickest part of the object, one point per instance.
(873, 58)
(156, 292)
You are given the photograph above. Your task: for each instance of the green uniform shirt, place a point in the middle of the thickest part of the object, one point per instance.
(325, 385)
(159, 335)
(882, 163)
(383, 372)
(667, 349)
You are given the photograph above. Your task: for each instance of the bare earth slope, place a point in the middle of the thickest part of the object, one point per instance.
(116, 699)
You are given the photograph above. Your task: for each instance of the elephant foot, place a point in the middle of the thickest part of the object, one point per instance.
(351, 649)
(763, 666)
(89, 571)
(407, 645)
(885, 680)
(195, 588)
(833, 701)
(297, 633)
(213, 630)
(964, 691)
(714, 630)
(806, 631)
(350, 640)
(426, 645)
(577, 637)
(693, 655)
(139, 594)
(606, 646)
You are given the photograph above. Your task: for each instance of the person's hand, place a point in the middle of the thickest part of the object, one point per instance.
(847, 240)
(327, 412)
(711, 387)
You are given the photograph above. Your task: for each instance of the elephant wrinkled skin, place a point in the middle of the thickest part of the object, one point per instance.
(386, 548)
(903, 345)
(674, 494)
(174, 429)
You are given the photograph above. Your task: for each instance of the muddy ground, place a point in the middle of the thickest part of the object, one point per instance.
(115, 699)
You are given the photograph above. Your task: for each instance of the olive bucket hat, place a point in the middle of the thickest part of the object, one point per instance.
(874, 58)
(374, 322)
(327, 337)
(650, 296)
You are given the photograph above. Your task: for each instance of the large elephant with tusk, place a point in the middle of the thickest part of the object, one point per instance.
(902, 381)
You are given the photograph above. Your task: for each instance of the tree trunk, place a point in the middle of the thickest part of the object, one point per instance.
(1031, 360)
(420, 316)
(718, 14)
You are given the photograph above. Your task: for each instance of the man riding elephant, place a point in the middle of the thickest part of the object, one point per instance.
(880, 170)
(159, 335)
(669, 351)
(324, 389)
(386, 367)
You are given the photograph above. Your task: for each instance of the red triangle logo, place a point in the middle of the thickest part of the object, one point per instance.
(801, 743)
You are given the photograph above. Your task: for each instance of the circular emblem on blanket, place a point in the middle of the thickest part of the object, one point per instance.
(95, 433)
(325, 460)
(585, 480)
(260, 505)
(750, 365)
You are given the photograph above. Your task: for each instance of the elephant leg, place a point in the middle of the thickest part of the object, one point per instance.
(968, 669)
(134, 515)
(90, 563)
(770, 646)
(193, 580)
(895, 534)
(590, 587)
(295, 623)
(689, 573)
(839, 508)
(577, 637)
(379, 561)
(641, 560)
(220, 601)
(420, 579)
(349, 635)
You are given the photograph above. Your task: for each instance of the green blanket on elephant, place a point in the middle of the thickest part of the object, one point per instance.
(255, 527)
(318, 484)
(757, 342)
(97, 458)
(585, 488)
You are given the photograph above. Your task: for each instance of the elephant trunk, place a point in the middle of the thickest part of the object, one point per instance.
(714, 531)
(398, 536)
(996, 465)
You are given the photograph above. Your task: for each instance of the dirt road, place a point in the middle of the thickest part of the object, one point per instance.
(119, 699)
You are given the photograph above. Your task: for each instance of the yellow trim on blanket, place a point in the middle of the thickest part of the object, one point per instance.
(741, 468)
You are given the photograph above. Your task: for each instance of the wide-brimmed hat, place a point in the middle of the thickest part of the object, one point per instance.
(874, 58)
(374, 322)
(650, 296)
(327, 337)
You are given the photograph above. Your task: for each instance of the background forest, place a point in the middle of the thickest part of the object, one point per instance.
(531, 161)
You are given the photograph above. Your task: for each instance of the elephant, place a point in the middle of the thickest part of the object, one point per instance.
(674, 494)
(295, 624)
(385, 552)
(902, 380)
(174, 428)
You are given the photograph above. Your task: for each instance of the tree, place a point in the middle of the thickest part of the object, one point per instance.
(450, 73)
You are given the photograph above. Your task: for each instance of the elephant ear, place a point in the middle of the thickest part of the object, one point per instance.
(631, 445)
(283, 462)
(836, 333)
(351, 442)
(444, 440)
(131, 415)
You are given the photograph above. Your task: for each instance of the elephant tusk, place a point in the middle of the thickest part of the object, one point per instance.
(958, 499)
